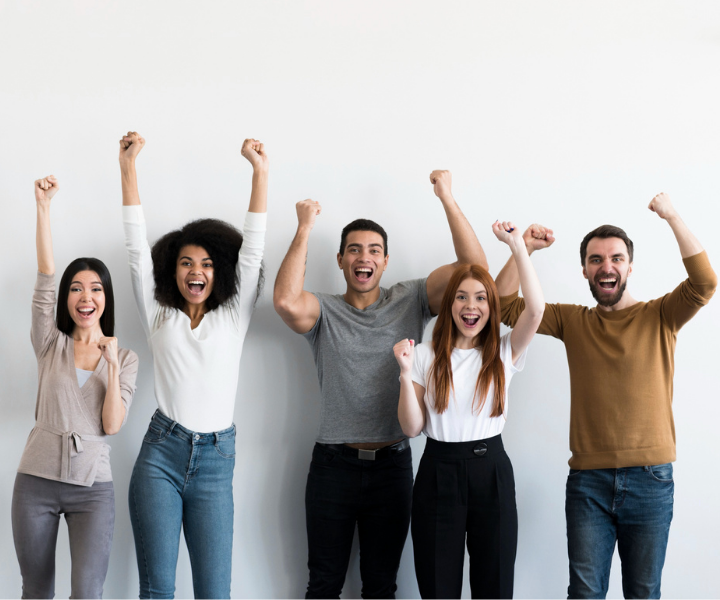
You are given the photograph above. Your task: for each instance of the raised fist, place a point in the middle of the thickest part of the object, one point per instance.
(442, 184)
(537, 237)
(109, 348)
(130, 146)
(45, 189)
(662, 206)
(404, 352)
(507, 232)
(254, 151)
(307, 211)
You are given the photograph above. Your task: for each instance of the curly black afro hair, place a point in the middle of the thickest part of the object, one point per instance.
(221, 241)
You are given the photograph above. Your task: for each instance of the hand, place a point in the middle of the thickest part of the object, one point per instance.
(661, 205)
(404, 352)
(442, 184)
(130, 146)
(506, 232)
(45, 189)
(307, 211)
(537, 237)
(254, 151)
(108, 347)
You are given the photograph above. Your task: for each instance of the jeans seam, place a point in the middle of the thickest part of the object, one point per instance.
(142, 540)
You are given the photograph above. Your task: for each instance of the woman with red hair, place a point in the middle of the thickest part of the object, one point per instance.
(455, 391)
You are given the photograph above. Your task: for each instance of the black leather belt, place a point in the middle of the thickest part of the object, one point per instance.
(383, 452)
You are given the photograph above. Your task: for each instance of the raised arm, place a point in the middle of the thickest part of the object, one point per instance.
(130, 146)
(536, 237)
(45, 189)
(531, 317)
(411, 405)
(298, 308)
(254, 151)
(113, 411)
(467, 247)
(689, 244)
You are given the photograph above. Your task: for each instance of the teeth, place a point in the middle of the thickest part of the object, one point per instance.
(363, 270)
(86, 310)
(196, 283)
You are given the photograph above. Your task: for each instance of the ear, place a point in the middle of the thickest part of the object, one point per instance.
(585, 273)
(630, 270)
(387, 256)
(339, 259)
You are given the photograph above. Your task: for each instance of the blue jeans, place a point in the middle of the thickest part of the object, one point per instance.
(183, 479)
(633, 506)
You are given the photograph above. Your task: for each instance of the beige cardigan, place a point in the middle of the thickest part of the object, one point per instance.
(67, 443)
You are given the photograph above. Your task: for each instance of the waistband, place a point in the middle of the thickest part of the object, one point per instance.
(378, 454)
(196, 437)
(71, 441)
(472, 449)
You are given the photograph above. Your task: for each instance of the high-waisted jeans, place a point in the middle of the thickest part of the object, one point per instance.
(465, 492)
(183, 479)
(631, 506)
(90, 515)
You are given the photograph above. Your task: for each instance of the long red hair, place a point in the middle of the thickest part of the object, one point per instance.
(487, 341)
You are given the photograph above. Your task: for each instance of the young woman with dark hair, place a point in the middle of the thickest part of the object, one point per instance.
(455, 391)
(195, 290)
(85, 387)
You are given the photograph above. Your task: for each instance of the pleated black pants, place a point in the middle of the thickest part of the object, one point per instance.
(465, 490)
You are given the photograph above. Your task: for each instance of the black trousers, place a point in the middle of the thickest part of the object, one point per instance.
(343, 491)
(465, 490)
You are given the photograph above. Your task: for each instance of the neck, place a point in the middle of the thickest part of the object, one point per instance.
(194, 311)
(87, 336)
(625, 302)
(464, 343)
(361, 300)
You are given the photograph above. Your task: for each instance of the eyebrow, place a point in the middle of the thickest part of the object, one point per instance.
(464, 292)
(616, 255)
(190, 258)
(356, 245)
(91, 283)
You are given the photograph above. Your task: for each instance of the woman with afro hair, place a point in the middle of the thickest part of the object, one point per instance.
(195, 291)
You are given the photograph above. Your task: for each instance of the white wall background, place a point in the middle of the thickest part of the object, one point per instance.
(568, 113)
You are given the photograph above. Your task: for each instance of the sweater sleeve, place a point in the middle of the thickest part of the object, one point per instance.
(681, 305)
(128, 375)
(511, 307)
(43, 329)
(141, 265)
(249, 266)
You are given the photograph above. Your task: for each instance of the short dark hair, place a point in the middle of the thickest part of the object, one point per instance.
(362, 225)
(220, 240)
(107, 319)
(605, 231)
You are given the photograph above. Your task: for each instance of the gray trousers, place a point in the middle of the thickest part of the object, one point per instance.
(37, 504)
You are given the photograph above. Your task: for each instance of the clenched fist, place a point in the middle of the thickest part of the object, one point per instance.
(109, 348)
(254, 151)
(45, 189)
(130, 146)
(662, 206)
(404, 352)
(307, 212)
(537, 237)
(442, 184)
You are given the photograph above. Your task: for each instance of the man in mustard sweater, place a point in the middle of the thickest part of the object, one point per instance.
(622, 435)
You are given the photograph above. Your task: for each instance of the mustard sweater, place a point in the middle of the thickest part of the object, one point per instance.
(621, 370)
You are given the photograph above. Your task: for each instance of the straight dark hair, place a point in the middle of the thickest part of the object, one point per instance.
(605, 231)
(362, 225)
(107, 319)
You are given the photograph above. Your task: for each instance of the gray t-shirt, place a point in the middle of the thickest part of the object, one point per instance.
(358, 373)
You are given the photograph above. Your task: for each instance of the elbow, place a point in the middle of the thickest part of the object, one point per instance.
(411, 430)
(281, 303)
(111, 428)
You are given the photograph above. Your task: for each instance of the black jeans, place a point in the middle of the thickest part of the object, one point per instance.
(343, 491)
(465, 493)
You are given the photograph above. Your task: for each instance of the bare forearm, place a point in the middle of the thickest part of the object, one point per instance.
(43, 241)
(467, 247)
(258, 195)
(291, 276)
(410, 415)
(128, 176)
(531, 289)
(688, 243)
(113, 412)
(508, 280)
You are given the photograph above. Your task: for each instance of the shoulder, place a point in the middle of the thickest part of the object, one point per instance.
(127, 358)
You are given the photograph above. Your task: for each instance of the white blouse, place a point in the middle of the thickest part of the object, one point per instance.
(460, 422)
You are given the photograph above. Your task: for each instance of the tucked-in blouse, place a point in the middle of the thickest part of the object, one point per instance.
(196, 370)
(68, 442)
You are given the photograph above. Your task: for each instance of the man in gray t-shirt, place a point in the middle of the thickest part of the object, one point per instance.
(361, 472)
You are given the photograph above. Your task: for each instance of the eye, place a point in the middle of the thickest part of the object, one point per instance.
(460, 297)
(75, 289)
(208, 265)
(617, 259)
(480, 298)
(97, 289)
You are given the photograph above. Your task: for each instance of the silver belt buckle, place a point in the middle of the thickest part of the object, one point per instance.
(366, 454)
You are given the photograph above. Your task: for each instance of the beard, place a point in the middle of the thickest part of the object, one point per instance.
(603, 299)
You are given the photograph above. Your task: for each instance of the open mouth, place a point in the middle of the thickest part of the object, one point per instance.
(86, 311)
(607, 282)
(196, 287)
(470, 320)
(363, 273)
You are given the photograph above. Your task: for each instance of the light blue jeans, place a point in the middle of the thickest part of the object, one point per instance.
(183, 479)
(633, 506)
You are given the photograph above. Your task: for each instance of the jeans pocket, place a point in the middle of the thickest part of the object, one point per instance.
(574, 472)
(661, 473)
(225, 446)
(155, 434)
(403, 459)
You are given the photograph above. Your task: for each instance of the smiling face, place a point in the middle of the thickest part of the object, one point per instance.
(607, 267)
(363, 261)
(194, 274)
(86, 300)
(470, 312)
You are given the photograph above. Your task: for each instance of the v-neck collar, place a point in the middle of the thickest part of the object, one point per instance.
(96, 371)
